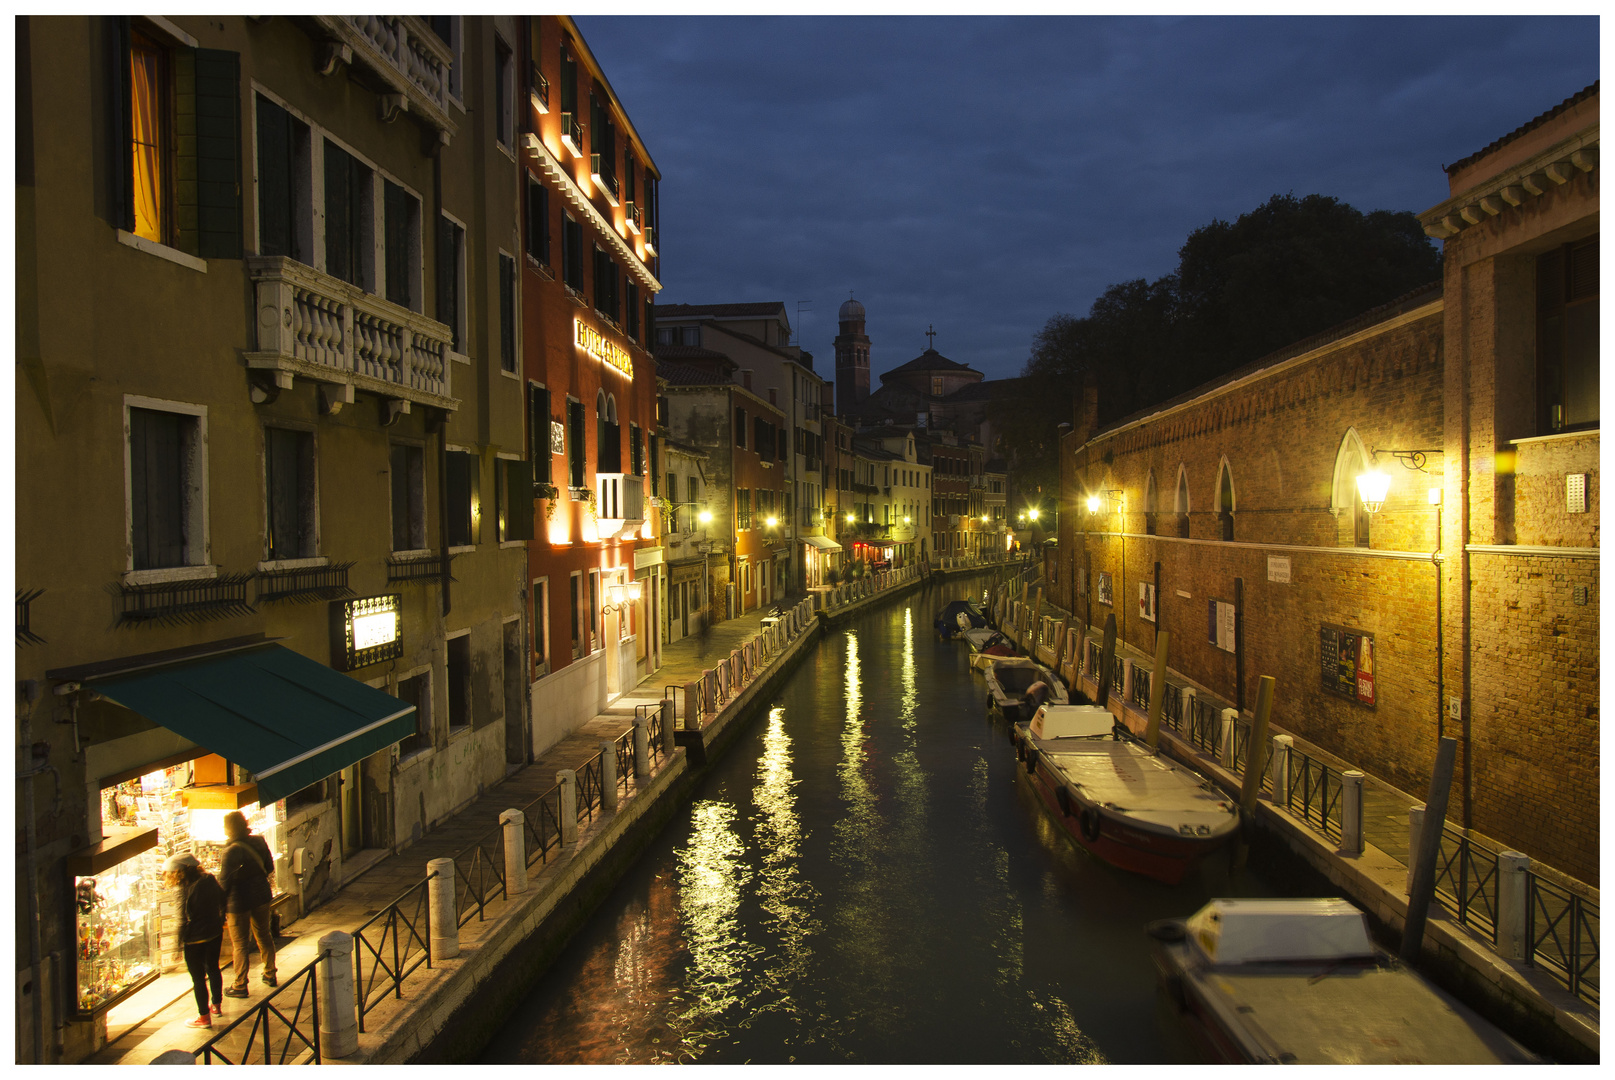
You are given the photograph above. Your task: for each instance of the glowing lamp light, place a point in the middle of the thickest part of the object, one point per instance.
(1435, 496)
(772, 521)
(704, 517)
(851, 518)
(635, 591)
(907, 520)
(1032, 513)
(1093, 504)
(1372, 486)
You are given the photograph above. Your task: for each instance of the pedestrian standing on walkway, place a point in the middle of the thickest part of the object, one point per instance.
(247, 866)
(201, 932)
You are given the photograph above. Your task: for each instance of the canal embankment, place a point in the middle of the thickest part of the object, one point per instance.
(1361, 844)
(510, 876)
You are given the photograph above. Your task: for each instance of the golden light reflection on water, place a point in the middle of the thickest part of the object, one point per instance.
(714, 877)
(787, 899)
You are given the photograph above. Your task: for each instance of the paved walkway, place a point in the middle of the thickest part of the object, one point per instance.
(154, 1020)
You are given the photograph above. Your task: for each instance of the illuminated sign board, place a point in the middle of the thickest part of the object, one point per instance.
(366, 631)
(595, 344)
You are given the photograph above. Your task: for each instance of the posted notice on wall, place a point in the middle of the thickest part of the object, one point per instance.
(1103, 589)
(1146, 601)
(1346, 658)
(1278, 569)
(1220, 624)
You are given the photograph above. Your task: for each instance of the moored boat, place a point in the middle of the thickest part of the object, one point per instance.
(959, 616)
(1124, 802)
(1301, 982)
(986, 645)
(1016, 687)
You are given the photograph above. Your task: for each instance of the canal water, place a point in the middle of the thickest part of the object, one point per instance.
(866, 877)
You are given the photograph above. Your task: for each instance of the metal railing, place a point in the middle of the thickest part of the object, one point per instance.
(1172, 706)
(1467, 881)
(1562, 928)
(479, 872)
(1118, 676)
(591, 787)
(266, 1034)
(391, 945)
(1141, 687)
(1205, 726)
(655, 726)
(1315, 793)
(625, 759)
(541, 825)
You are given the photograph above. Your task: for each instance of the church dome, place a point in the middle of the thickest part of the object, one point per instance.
(851, 311)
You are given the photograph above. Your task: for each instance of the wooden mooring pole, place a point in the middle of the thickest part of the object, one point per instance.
(1255, 762)
(1423, 889)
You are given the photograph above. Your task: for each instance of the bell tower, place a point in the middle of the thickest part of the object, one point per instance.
(852, 360)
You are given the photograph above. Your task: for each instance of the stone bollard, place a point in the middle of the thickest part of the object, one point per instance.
(1351, 813)
(339, 1015)
(1225, 739)
(608, 775)
(1415, 831)
(642, 748)
(1281, 769)
(1511, 904)
(441, 910)
(511, 824)
(667, 727)
(569, 805)
(692, 708)
(1127, 680)
(1187, 719)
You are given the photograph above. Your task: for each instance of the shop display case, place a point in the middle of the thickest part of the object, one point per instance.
(114, 920)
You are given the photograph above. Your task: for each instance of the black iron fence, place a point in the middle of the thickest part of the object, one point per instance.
(282, 1029)
(479, 873)
(391, 945)
(1562, 928)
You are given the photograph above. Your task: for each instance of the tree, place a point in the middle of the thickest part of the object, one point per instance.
(1287, 270)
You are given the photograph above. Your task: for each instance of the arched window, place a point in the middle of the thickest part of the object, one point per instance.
(1149, 504)
(608, 450)
(1225, 501)
(1180, 502)
(1351, 460)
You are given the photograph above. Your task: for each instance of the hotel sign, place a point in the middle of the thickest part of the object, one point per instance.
(366, 631)
(607, 352)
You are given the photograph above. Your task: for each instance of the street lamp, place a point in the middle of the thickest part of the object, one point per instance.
(621, 595)
(1372, 485)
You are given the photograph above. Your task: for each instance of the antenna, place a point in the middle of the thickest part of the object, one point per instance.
(799, 310)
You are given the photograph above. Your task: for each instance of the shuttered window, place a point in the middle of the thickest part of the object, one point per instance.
(636, 450)
(283, 148)
(408, 475)
(515, 490)
(450, 271)
(460, 524)
(401, 216)
(575, 434)
(1567, 338)
(538, 432)
(572, 254)
(348, 226)
(160, 445)
(507, 312)
(538, 220)
(740, 428)
(289, 486)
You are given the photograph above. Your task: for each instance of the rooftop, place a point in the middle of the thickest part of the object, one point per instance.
(719, 311)
(1525, 128)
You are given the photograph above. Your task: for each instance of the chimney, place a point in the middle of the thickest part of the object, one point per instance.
(745, 378)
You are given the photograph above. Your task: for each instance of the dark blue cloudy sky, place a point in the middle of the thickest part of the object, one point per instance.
(983, 174)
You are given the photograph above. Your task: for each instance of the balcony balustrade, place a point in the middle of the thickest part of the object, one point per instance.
(619, 503)
(636, 217)
(605, 181)
(323, 329)
(403, 53)
(572, 133)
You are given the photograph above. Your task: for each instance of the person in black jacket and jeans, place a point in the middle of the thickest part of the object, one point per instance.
(201, 931)
(244, 874)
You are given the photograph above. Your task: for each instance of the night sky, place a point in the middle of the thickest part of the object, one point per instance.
(983, 174)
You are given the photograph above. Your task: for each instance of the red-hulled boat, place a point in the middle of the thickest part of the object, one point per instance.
(1128, 804)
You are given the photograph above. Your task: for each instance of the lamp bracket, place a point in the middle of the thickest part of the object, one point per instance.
(1410, 459)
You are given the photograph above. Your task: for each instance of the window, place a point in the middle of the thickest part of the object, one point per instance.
(463, 511)
(655, 466)
(665, 335)
(538, 432)
(695, 489)
(459, 673)
(289, 484)
(572, 254)
(781, 444)
(1180, 503)
(504, 92)
(569, 83)
(575, 586)
(417, 692)
(594, 610)
(1225, 503)
(538, 87)
(608, 435)
(636, 450)
(167, 488)
(349, 227)
(632, 309)
(740, 428)
(451, 282)
(606, 298)
(742, 508)
(1567, 337)
(401, 218)
(540, 623)
(690, 335)
(177, 112)
(538, 219)
(762, 435)
(507, 313)
(574, 442)
(513, 490)
(447, 28)
(408, 497)
(284, 220)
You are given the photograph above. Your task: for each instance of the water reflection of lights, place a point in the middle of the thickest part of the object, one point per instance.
(787, 899)
(713, 878)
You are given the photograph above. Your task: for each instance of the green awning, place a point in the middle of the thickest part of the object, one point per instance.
(286, 718)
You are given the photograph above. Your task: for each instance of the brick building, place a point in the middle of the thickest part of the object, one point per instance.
(1231, 516)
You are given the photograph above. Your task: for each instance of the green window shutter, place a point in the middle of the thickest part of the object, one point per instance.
(518, 480)
(120, 125)
(218, 153)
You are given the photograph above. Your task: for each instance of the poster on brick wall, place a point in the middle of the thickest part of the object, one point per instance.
(1146, 601)
(1102, 588)
(1082, 581)
(1346, 660)
(1220, 624)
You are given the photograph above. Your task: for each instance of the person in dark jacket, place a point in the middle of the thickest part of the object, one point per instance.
(244, 875)
(201, 932)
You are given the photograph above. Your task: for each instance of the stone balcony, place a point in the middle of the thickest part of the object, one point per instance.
(400, 55)
(620, 504)
(314, 326)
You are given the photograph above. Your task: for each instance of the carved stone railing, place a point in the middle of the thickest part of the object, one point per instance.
(620, 502)
(323, 329)
(404, 53)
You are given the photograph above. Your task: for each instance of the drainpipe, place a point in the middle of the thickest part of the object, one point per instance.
(443, 431)
(28, 691)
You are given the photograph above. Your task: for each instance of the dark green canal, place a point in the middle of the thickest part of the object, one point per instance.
(866, 877)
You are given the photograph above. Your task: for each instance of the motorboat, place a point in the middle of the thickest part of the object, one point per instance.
(1016, 686)
(986, 645)
(1123, 801)
(959, 616)
(1301, 981)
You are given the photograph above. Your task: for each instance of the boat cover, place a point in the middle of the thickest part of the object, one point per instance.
(1240, 931)
(1071, 722)
(1146, 787)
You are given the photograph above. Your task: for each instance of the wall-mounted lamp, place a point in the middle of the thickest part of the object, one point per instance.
(771, 521)
(621, 595)
(1373, 485)
(1110, 499)
(704, 517)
